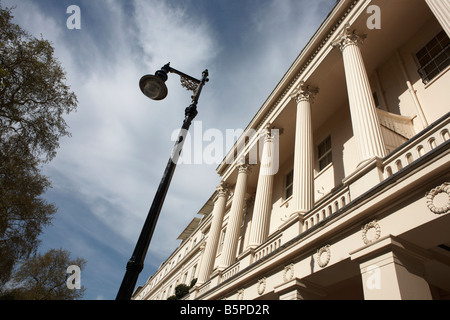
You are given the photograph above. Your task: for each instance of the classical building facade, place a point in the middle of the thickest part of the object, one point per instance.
(350, 195)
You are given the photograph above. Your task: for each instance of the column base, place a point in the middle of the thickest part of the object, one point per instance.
(294, 218)
(368, 174)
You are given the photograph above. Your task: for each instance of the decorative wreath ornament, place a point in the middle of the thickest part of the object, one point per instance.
(240, 294)
(438, 199)
(261, 286)
(288, 272)
(324, 256)
(371, 225)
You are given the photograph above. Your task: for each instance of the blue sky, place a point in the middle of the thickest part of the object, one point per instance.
(105, 175)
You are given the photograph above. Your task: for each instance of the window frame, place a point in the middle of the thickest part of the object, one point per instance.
(328, 152)
(289, 186)
(221, 240)
(426, 57)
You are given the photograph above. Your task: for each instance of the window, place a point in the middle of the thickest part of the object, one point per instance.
(376, 100)
(194, 270)
(288, 185)
(434, 57)
(324, 153)
(222, 239)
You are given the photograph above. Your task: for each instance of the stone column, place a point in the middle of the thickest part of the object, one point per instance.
(303, 180)
(263, 198)
(235, 218)
(366, 127)
(441, 10)
(213, 235)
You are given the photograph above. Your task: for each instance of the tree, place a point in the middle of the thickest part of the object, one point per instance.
(22, 213)
(33, 96)
(44, 277)
(33, 101)
(180, 291)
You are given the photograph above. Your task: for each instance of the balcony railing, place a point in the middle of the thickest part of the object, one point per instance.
(326, 208)
(267, 248)
(230, 271)
(417, 147)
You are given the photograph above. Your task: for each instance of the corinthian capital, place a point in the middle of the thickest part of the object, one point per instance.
(304, 92)
(222, 190)
(348, 37)
(245, 168)
(267, 133)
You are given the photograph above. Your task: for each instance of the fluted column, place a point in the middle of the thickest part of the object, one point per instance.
(263, 199)
(366, 127)
(209, 255)
(441, 10)
(235, 218)
(303, 178)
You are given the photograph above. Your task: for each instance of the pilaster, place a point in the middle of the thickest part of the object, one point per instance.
(393, 269)
(299, 289)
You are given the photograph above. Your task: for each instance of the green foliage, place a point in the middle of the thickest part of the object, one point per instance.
(23, 213)
(181, 290)
(33, 100)
(33, 93)
(44, 277)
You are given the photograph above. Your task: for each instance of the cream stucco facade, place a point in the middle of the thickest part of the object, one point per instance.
(358, 206)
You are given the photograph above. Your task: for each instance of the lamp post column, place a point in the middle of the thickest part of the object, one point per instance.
(136, 262)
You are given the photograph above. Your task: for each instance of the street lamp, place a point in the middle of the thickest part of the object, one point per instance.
(154, 87)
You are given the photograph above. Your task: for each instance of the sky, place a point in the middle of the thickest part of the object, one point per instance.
(105, 175)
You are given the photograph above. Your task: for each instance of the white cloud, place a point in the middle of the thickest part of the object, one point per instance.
(169, 33)
(120, 140)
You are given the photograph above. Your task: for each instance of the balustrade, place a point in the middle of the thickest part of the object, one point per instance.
(325, 209)
(267, 248)
(417, 148)
(230, 271)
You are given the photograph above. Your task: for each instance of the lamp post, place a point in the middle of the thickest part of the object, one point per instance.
(154, 87)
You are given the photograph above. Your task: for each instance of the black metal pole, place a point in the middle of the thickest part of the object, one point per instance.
(136, 262)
